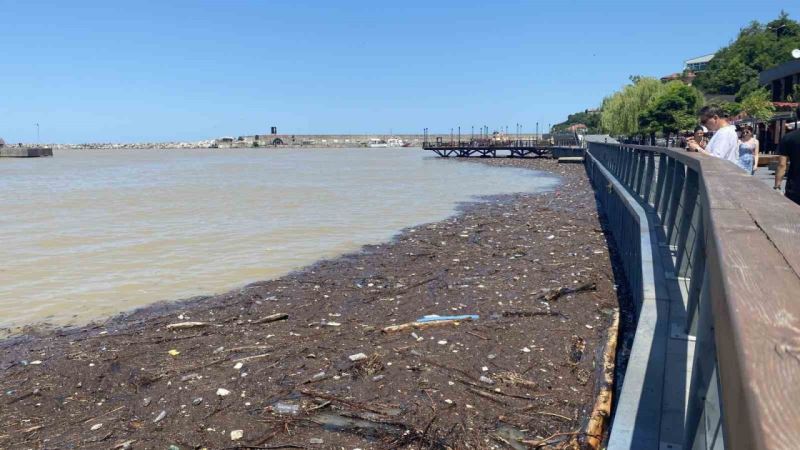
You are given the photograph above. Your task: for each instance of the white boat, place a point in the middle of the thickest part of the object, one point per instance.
(377, 143)
(395, 142)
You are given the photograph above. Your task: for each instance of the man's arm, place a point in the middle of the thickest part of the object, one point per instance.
(780, 171)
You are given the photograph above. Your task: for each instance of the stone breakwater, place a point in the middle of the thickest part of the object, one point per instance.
(269, 140)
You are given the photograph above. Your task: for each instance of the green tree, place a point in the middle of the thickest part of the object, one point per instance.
(673, 110)
(734, 69)
(758, 105)
(589, 118)
(621, 111)
(795, 95)
(731, 108)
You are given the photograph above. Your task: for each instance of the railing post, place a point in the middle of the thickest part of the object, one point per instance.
(662, 171)
(704, 411)
(649, 180)
(685, 225)
(631, 169)
(633, 185)
(674, 206)
(698, 273)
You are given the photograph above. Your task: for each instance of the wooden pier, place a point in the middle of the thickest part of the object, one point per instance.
(495, 148)
(489, 148)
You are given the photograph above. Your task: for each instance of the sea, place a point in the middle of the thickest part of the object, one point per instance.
(90, 233)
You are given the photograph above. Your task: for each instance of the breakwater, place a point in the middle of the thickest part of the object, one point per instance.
(268, 140)
(25, 152)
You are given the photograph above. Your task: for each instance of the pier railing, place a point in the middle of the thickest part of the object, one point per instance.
(712, 258)
(483, 143)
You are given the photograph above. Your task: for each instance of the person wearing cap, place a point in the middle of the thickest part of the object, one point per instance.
(725, 142)
(789, 154)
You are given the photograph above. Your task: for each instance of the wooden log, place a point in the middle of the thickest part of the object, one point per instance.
(184, 325)
(271, 318)
(601, 413)
(421, 325)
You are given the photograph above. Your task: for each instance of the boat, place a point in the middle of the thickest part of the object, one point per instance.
(377, 143)
(395, 142)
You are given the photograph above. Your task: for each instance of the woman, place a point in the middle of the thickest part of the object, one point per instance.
(699, 136)
(748, 150)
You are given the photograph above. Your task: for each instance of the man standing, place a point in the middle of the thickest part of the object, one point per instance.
(789, 151)
(725, 143)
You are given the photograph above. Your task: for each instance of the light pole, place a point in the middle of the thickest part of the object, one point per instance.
(777, 30)
(37, 134)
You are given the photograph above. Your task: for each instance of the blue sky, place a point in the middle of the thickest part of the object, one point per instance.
(107, 71)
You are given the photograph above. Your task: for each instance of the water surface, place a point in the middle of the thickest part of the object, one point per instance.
(90, 233)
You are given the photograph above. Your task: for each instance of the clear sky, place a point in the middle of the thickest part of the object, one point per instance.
(108, 71)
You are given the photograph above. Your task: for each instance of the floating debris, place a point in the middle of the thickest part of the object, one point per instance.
(184, 325)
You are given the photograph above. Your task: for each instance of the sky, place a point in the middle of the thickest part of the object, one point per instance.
(137, 71)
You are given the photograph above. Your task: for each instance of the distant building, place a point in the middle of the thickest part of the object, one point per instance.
(698, 64)
(578, 128)
(2, 142)
(686, 77)
(781, 80)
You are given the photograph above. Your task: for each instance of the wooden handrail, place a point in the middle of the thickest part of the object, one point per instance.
(752, 261)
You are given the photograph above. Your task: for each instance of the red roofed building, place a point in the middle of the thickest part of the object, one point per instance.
(578, 128)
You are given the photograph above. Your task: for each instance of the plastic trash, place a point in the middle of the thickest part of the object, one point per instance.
(436, 317)
(286, 408)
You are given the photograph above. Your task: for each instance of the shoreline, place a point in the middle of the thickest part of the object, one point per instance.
(496, 259)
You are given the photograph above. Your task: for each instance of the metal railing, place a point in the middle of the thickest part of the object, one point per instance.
(484, 143)
(722, 309)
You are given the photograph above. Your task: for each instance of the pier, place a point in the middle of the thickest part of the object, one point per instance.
(504, 145)
(25, 152)
(489, 148)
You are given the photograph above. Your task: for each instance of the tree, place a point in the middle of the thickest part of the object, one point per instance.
(621, 111)
(734, 69)
(795, 95)
(672, 110)
(731, 108)
(758, 105)
(589, 118)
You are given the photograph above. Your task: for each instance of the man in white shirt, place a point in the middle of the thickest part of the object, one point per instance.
(725, 142)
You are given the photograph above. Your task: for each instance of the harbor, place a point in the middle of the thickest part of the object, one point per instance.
(228, 227)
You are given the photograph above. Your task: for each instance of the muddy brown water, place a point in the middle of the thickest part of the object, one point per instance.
(86, 234)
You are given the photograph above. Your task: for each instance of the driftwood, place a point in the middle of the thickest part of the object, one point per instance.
(421, 325)
(271, 318)
(564, 290)
(530, 313)
(601, 413)
(185, 325)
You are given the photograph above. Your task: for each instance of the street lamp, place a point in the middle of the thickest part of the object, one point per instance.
(37, 134)
(777, 30)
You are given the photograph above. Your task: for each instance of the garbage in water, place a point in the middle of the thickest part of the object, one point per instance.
(429, 272)
(237, 434)
(436, 318)
(286, 408)
(357, 357)
(222, 392)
